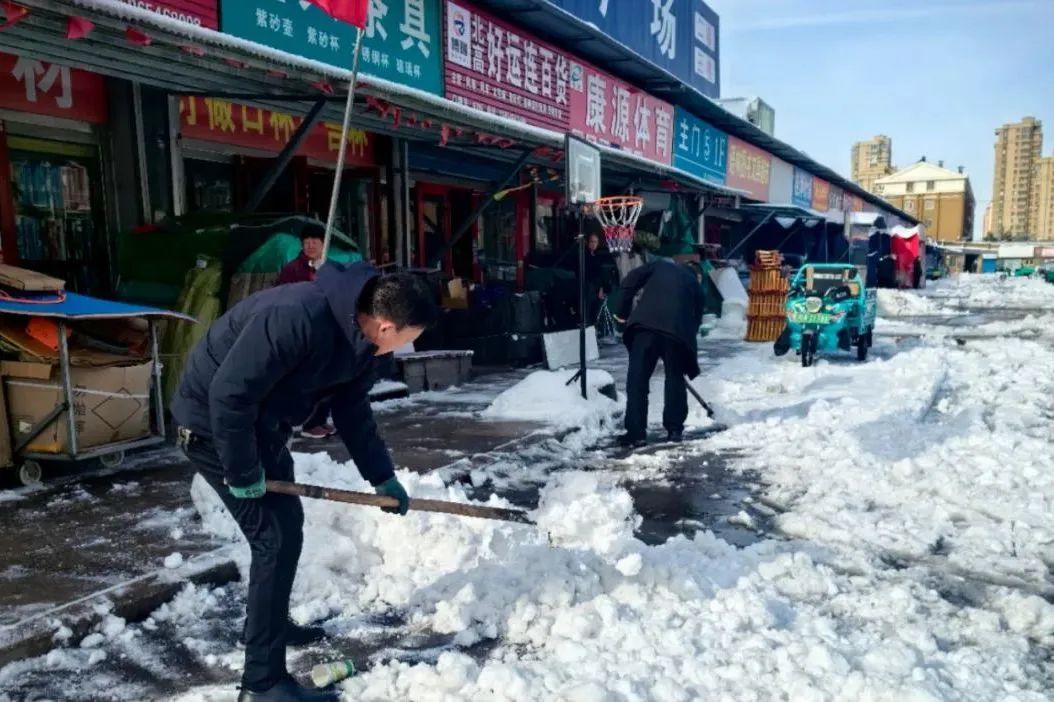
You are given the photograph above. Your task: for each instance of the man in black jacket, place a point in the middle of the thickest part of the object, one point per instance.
(664, 324)
(260, 370)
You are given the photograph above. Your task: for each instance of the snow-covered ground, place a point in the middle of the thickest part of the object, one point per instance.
(914, 506)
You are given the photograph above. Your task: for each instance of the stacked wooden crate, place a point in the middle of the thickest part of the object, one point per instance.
(767, 295)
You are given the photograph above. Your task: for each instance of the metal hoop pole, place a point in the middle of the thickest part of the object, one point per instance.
(582, 305)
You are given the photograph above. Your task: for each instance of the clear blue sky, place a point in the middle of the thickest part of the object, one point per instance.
(937, 76)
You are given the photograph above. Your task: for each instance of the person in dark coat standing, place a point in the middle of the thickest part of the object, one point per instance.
(664, 324)
(260, 370)
(302, 269)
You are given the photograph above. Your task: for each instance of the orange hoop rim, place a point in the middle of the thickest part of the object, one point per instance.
(618, 201)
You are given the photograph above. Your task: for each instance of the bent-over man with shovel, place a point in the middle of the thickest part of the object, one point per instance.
(259, 371)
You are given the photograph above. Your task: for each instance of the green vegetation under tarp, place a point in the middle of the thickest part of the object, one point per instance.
(200, 299)
(153, 262)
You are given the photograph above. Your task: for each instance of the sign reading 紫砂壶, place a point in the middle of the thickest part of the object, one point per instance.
(608, 111)
(678, 36)
(699, 148)
(493, 67)
(402, 42)
(748, 168)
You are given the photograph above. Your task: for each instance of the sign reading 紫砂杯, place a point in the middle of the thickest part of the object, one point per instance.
(679, 36)
(403, 40)
(699, 148)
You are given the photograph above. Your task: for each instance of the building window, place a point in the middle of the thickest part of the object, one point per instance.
(930, 186)
(911, 187)
(930, 203)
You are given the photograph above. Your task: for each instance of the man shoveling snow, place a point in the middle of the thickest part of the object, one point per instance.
(261, 369)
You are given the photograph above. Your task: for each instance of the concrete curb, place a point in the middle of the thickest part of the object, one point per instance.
(132, 600)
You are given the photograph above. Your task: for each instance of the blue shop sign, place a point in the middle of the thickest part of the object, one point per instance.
(802, 193)
(403, 41)
(698, 148)
(679, 36)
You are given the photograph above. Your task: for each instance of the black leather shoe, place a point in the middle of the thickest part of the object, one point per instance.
(288, 690)
(296, 635)
(676, 436)
(629, 441)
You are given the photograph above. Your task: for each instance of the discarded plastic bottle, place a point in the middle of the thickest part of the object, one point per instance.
(325, 674)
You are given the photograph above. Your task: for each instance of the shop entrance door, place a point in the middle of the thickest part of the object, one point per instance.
(439, 209)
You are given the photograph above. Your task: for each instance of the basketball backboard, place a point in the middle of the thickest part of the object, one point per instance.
(583, 171)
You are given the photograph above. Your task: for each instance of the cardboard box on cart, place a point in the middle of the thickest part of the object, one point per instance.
(111, 403)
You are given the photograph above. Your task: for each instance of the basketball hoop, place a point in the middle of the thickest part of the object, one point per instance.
(618, 216)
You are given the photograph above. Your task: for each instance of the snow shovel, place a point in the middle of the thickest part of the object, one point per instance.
(696, 395)
(364, 498)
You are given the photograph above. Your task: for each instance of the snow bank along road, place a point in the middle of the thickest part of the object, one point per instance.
(914, 493)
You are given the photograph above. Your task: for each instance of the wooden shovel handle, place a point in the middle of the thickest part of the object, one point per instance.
(417, 505)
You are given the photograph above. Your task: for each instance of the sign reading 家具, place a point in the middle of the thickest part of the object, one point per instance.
(607, 111)
(679, 36)
(402, 42)
(698, 148)
(494, 67)
(749, 168)
(216, 120)
(802, 192)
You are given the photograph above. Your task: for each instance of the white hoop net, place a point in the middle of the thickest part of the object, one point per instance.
(618, 216)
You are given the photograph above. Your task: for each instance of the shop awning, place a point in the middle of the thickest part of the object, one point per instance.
(187, 59)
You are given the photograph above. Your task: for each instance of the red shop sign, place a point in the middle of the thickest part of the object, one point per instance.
(216, 120)
(29, 85)
(749, 168)
(201, 13)
(607, 111)
(495, 68)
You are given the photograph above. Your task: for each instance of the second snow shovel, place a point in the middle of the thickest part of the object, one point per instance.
(418, 505)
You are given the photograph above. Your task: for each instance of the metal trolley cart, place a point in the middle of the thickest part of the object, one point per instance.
(63, 310)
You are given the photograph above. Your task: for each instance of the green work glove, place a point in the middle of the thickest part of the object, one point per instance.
(393, 488)
(250, 492)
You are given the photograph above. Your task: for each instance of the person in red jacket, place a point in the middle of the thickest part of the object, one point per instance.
(302, 270)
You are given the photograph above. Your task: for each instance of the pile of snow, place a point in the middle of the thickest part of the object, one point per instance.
(545, 396)
(994, 291)
(580, 610)
(937, 450)
(909, 303)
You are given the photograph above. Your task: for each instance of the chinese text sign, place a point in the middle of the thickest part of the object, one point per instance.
(802, 193)
(748, 168)
(607, 111)
(42, 88)
(402, 41)
(216, 120)
(493, 67)
(679, 36)
(698, 148)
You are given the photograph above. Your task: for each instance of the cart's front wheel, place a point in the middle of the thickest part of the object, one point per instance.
(30, 473)
(862, 345)
(808, 350)
(112, 460)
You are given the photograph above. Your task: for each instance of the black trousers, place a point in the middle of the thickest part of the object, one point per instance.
(319, 417)
(273, 526)
(646, 348)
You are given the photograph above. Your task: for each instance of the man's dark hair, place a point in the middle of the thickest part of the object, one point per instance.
(402, 298)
